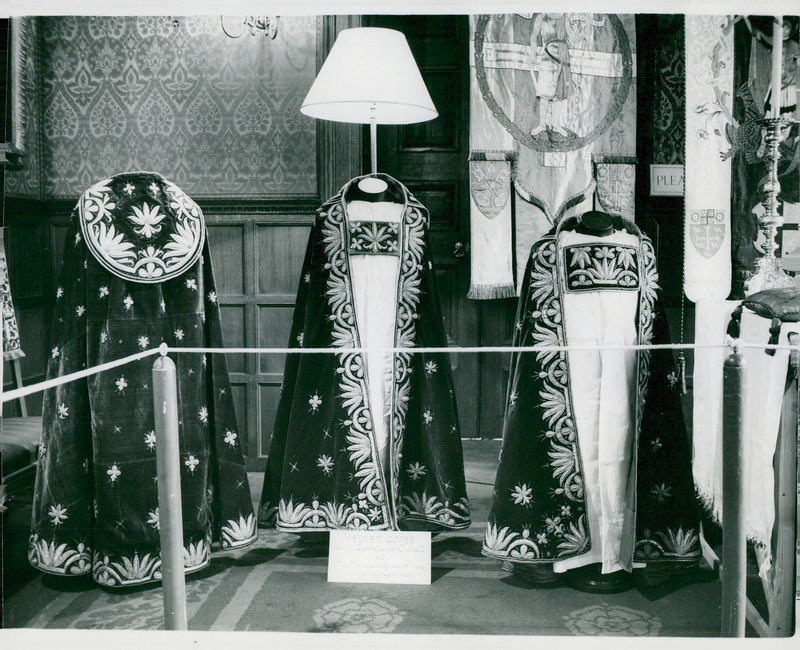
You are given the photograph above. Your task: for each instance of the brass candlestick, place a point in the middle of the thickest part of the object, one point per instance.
(769, 273)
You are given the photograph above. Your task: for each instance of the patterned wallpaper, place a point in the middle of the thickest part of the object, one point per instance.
(668, 130)
(218, 116)
(28, 182)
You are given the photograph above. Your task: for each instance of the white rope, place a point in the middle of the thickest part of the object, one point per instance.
(64, 379)
(163, 349)
(730, 343)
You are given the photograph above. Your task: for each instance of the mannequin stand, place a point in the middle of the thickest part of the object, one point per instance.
(590, 579)
(537, 575)
(371, 184)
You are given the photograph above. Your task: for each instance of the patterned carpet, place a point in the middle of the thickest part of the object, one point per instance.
(280, 584)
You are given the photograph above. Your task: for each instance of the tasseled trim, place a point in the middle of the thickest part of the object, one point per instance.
(775, 333)
(491, 291)
(10, 355)
(500, 154)
(735, 324)
(613, 159)
(714, 510)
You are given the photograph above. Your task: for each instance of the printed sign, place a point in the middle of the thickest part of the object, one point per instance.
(666, 180)
(385, 557)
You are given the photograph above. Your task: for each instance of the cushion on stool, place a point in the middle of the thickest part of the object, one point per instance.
(779, 305)
(783, 304)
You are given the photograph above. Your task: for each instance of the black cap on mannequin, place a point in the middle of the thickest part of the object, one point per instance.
(594, 222)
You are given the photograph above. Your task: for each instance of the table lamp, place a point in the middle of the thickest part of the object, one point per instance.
(370, 77)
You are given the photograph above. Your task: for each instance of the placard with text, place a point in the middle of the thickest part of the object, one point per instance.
(666, 180)
(386, 557)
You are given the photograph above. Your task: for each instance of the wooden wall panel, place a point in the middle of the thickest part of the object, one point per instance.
(234, 335)
(25, 249)
(274, 324)
(280, 250)
(227, 246)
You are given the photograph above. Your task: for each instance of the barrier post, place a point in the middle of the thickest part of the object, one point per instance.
(785, 545)
(165, 402)
(734, 559)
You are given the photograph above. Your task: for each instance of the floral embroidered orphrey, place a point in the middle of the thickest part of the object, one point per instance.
(143, 233)
(538, 512)
(95, 507)
(324, 470)
(592, 267)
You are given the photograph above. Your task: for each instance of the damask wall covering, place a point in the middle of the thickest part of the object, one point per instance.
(218, 116)
(668, 127)
(28, 182)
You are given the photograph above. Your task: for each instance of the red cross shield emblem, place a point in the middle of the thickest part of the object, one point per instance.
(707, 231)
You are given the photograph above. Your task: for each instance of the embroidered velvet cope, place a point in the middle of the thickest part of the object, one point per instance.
(323, 469)
(538, 511)
(135, 280)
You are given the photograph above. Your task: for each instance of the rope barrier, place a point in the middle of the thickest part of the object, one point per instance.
(164, 349)
(73, 376)
(732, 344)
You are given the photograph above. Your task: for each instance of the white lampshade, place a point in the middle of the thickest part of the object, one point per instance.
(370, 72)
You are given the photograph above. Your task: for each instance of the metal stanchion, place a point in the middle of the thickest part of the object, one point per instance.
(165, 401)
(734, 560)
(785, 563)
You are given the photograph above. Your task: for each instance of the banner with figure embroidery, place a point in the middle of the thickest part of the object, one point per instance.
(562, 88)
(707, 219)
(11, 345)
(491, 152)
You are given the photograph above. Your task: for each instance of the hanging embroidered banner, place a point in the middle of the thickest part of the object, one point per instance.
(562, 87)
(764, 390)
(490, 160)
(616, 184)
(710, 332)
(707, 205)
(10, 333)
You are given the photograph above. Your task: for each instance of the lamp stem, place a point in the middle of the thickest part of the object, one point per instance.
(373, 141)
(372, 184)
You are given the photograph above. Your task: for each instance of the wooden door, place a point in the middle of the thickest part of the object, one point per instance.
(430, 158)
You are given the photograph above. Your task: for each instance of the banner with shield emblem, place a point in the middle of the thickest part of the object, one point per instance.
(707, 219)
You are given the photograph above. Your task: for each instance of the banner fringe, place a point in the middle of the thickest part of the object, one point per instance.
(491, 291)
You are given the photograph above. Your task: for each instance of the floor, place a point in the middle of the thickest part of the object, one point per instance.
(280, 584)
